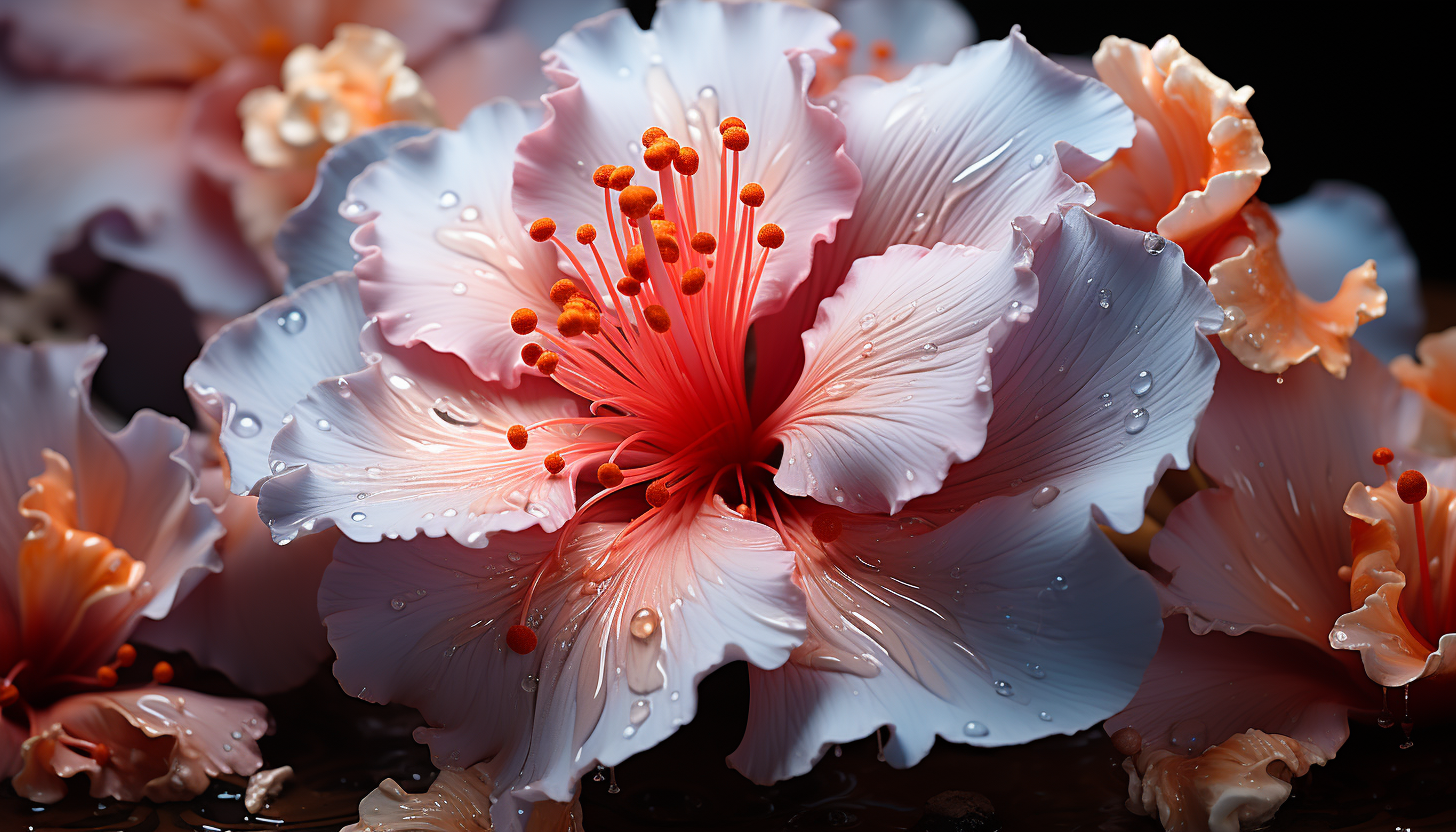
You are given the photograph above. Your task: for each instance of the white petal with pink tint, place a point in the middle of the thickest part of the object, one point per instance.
(1261, 552)
(445, 260)
(897, 382)
(1101, 391)
(253, 370)
(1012, 622)
(424, 623)
(417, 443)
(699, 63)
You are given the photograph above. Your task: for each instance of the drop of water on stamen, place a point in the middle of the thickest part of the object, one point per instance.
(1135, 421)
(1044, 495)
(975, 729)
(1142, 383)
(1153, 244)
(292, 321)
(1104, 298)
(246, 425)
(449, 199)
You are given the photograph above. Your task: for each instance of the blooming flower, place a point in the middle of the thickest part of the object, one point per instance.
(605, 352)
(1267, 569)
(106, 534)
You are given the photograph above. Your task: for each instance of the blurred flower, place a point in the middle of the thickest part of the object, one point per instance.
(1434, 378)
(107, 533)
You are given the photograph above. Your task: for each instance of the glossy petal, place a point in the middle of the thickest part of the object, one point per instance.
(897, 382)
(1261, 551)
(1434, 379)
(952, 154)
(424, 623)
(445, 261)
(1010, 623)
(1201, 690)
(699, 63)
(1272, 325)
(166, 743)
(417, 443)
(1112, 320)
(314, 240)
(60, 171)
(253, 370)
(1336, 227)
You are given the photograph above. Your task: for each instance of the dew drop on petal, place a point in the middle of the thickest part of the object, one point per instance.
(246, 425)
(458, 289)
(1106, 399)
(928, 351)
(323, 424)
(1135, 421)
(867, 322)
(641, 709)
(1044, 495)
(866, 349)
(975, 729)
(397, 603)
(1044, 716)
(644, 623)
(1034, 671)
(528, 683)
(354, 209)
(292, 321)
(470, 214)
(1142, 383)
(449, 199)
(1003, 687)
(1104, 298)
(1153, 244)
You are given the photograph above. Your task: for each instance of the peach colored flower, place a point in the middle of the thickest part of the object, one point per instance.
(1434, 378)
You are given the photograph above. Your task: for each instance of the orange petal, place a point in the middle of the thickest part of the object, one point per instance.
(1435, 379)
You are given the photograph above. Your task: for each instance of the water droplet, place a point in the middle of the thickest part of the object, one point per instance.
(644, 623)
(323, 424)
(292, 321)
(397, 603)
(470, 214)
(246, 425)
(449, 512)
(458, 288)
(354, 209)
(537, 510)
(867, 322)
(641, 709)
(1255, 339)
(227, 746)
(975, 729)
(909, 475)
(357, 517)
(1034, 671)
(838, 389)
(1135, 421)
(928, 351)
(1104, 298)
(449, 199)
(1341, 635)
(1233, 318)
(1037, 160)
(453, 414)
(528, 683)
(866, 349)
(1003, 687)
(1060, 583)
(1106, 399)
(1044, 716)
(1142, 383)
(237, 735)
(1153, 244)
(1044, 495)
(277, 466)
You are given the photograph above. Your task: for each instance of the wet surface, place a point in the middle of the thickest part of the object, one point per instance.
(341, 748)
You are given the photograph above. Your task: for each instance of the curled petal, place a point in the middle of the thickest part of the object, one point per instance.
(457, 801)
(1101, 391)
(163, 743)
(1434, 378)
(445, 261)
(1198, 155)
(253, 370)
(1012, 622)
(1238, 784)
(897, 383)
(417, 443)
(1272, 325)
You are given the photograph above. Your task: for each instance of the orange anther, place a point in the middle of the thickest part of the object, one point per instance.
(882, 50)
(521, 639)
(637, 262)
(9, 694)
(1127, 741)
(827, 528)
(547, 362)
(555, 463)
(657, 494)
(516, 435)
(1411, 486)
(686, 162)
(629, 286)
(770, 235)
(658, 212)
(621, 177)
(100, 754)
(1344, 573)
(561, 291)
(162, 673)
(667, 247)
(636, 200)
(660, 154)
(704, 243)
(693, 281)
(106, 676)
(125, 655)
(730, 122)
(570, 323)
(663, 228)
(751, 195)
(1383, 456)
(843, 41)
(746, 512)
(609, 474)
(543, 229)
(652, 134)
(523, 322)
(529, 354)
(602, 176)
(735, 139)
(586, 233)
(657, 318)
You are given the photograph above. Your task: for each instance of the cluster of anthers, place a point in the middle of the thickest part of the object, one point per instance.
(658, 351)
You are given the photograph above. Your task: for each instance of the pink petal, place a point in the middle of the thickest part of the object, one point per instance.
(1261, 552)
(257, 620)
(254, 369)
(445, 261)
(417, 443)
(59, 171)
(500, 64)
(424, 622)
(165, 743)
(699, 63)
(897, 383)
(1201, 690)
(1068, 419)
(953, 154)
(1010, 623)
